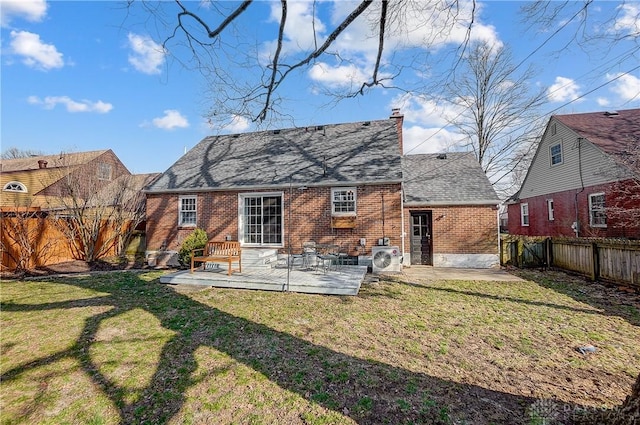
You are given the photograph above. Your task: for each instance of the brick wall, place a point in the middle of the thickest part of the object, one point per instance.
(460, 229)
(565, 213)
(307, 216)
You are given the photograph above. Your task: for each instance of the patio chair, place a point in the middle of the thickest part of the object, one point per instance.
(306, 256)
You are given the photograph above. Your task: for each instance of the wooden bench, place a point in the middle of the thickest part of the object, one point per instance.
(218, 252)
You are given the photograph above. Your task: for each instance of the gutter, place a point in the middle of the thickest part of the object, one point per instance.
(270, 187)
(452, 203)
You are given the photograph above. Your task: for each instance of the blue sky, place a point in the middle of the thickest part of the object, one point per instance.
(89, 75)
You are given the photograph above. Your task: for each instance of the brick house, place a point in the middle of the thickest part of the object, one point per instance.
(583, 179)
(35, 190)
(336, 184)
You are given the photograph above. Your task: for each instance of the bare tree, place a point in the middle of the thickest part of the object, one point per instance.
(96, 217)
(14, 153)
(24, 237)
(247, 77)
(498, 111)
(623, 202)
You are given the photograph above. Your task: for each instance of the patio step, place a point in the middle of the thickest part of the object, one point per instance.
(259, 258)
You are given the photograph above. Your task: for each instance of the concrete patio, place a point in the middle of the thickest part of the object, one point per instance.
(346, 280)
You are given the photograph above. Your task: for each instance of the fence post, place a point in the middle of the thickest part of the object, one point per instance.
(595, 272)
(548, 252)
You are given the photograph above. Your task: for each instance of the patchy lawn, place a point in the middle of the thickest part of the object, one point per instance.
(121, 348)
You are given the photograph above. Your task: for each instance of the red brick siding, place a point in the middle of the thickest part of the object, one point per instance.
(565, 214)
(309, 217)
(460, 229)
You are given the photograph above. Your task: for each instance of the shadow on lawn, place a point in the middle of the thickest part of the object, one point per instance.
(608, 300)
(366, 391)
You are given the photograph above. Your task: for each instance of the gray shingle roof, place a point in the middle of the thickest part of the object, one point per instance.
(446, 179)
(360, 152)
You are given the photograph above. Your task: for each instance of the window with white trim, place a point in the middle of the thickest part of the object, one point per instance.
(15, 187)
(555, 153)
(343, 200)
(261, 219)
(597, 212)
(550, 209)
(104, 171)
(524, 214)
(187, 215)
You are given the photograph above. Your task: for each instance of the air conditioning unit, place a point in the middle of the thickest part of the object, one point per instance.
(386, 259)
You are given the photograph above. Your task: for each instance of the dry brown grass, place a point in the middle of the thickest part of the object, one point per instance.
(122, 348)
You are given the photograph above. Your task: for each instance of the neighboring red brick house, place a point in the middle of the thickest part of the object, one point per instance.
(583, 180)
(336, 184)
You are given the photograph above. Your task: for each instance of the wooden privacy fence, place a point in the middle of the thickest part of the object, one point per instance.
(615, 260)
(47, 243)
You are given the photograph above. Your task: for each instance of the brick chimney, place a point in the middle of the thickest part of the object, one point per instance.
(42, 163)
(395, 113)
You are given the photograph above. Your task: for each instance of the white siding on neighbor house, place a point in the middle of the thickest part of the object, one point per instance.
(544, 178)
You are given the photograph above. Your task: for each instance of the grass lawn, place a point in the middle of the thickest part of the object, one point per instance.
(122, 348)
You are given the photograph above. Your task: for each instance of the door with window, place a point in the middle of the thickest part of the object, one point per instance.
(262, 220)
(421, 242)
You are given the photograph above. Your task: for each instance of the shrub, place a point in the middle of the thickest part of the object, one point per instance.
(196, 239)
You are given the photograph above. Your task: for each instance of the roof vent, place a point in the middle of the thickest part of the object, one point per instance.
(366, 123)
(611, 113)
(276, 131)
(320, 127)
(442, 156)
(42, 164)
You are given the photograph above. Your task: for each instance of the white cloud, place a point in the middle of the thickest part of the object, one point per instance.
(423, 111)
(563, 90)
(31, 10)
(237, 124)
(421, 25)
(300, 25)
(627, 87)
(147, 56)
(172, 119)
(417, 139)
(628, 20)
(50, 102)
(337, 76)
(603, 101)
(34, 52)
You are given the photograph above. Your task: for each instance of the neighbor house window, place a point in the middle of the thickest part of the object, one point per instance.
(104, 171)
(187, 215)
(524, 214)
(261, 219)
(343, 201)
(550, 209)
(15, 187)
(556, 154)
(597, 213)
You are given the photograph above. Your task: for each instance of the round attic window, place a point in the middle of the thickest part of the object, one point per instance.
(15, 187)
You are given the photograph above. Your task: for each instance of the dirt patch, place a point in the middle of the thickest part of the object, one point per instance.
(78, 266)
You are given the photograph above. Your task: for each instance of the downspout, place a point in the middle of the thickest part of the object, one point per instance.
(382, 196)
(402, 233)
(575, 201)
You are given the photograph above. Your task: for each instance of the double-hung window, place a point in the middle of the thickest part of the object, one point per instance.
(343, 201)
(555, 153)
(524, 214)
(550, 209)
(597, 213)
(187, 216)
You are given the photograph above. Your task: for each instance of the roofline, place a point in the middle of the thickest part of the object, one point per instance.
(271, 187)
(453, 203)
